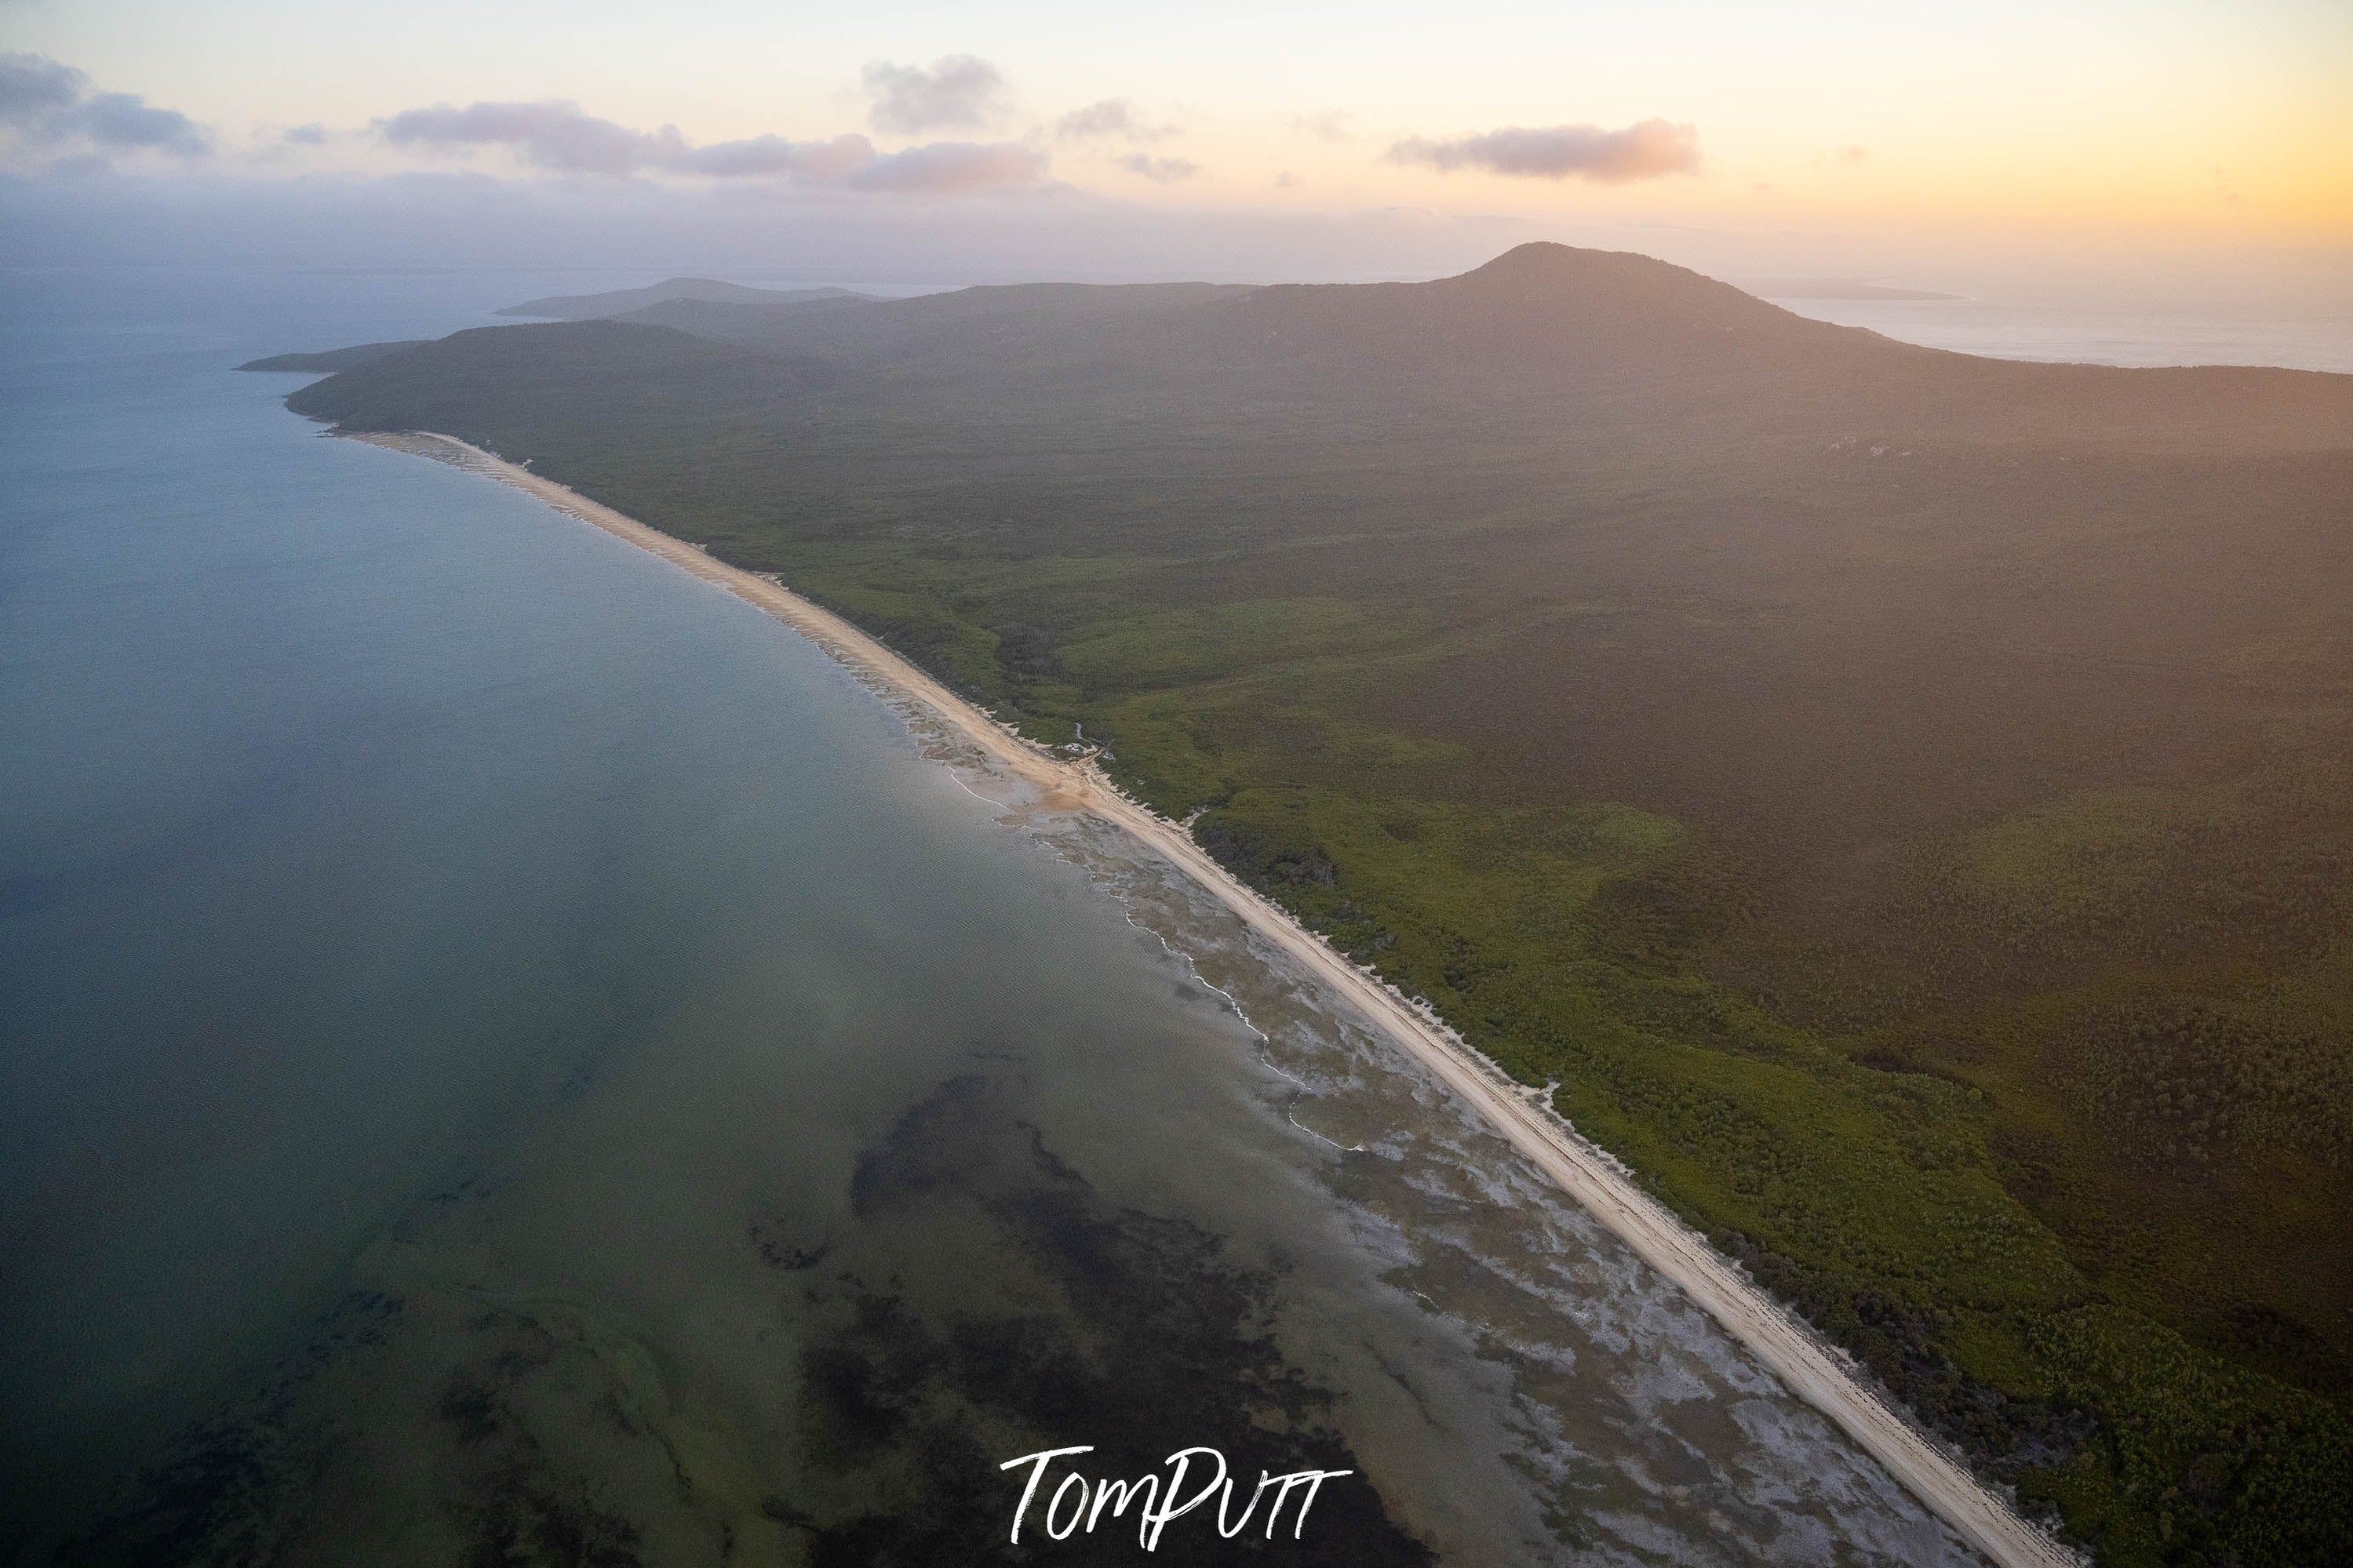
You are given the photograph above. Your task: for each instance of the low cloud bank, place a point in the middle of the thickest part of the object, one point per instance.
(944, 167)
(555, 135)
(1645, 150)
(827, 233)
(50, 104)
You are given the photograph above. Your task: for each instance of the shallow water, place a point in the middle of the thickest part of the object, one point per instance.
(504, 1047)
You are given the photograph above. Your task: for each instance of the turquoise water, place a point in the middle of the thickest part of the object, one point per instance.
(505, 1051)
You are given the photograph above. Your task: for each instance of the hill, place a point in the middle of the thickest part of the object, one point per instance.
(331, 359)
(621, 302)
(971, 331)
(1900, 798)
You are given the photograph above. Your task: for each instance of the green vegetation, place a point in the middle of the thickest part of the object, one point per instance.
(333, 360)
(1904, 802)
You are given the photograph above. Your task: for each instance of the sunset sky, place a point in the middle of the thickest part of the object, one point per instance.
(1864, 138)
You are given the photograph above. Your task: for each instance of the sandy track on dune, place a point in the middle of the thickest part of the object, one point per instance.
(1802, 1360)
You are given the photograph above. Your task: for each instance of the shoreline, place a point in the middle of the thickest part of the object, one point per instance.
(1804, 1364)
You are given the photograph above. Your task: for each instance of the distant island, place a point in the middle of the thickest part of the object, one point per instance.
(621, 302)
(1901, 802)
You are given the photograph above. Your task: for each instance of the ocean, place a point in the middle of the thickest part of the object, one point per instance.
(507, 1052)
(2311, 338)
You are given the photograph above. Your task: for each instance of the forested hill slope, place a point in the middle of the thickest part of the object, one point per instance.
(333, 360)
(586, 377)
(1905, 800)
(967, 330)
(1620, 335)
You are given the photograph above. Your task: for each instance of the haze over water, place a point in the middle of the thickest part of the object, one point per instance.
(498, 1038)
(2313, 337)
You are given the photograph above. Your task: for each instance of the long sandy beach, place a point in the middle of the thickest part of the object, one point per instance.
(1806, 1365)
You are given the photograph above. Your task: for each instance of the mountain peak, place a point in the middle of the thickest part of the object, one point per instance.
(1540, 313)
(1623, 285)
(1538, 253)
(1542, 261)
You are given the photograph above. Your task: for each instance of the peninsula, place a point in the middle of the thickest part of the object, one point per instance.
(1893, 802)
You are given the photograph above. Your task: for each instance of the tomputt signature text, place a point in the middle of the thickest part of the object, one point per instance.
(1078, 1503)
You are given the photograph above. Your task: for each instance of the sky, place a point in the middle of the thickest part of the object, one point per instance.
(2181, 144)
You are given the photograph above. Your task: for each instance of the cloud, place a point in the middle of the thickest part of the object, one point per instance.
(312, 135)
(959, 92)
(1111, 117)
(44, 102)
(553, 134)
(1641, 152)
(126, 120)
(33, 87)
(944, 168)
(1162, 171)
(558, 136)
(823, 163)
